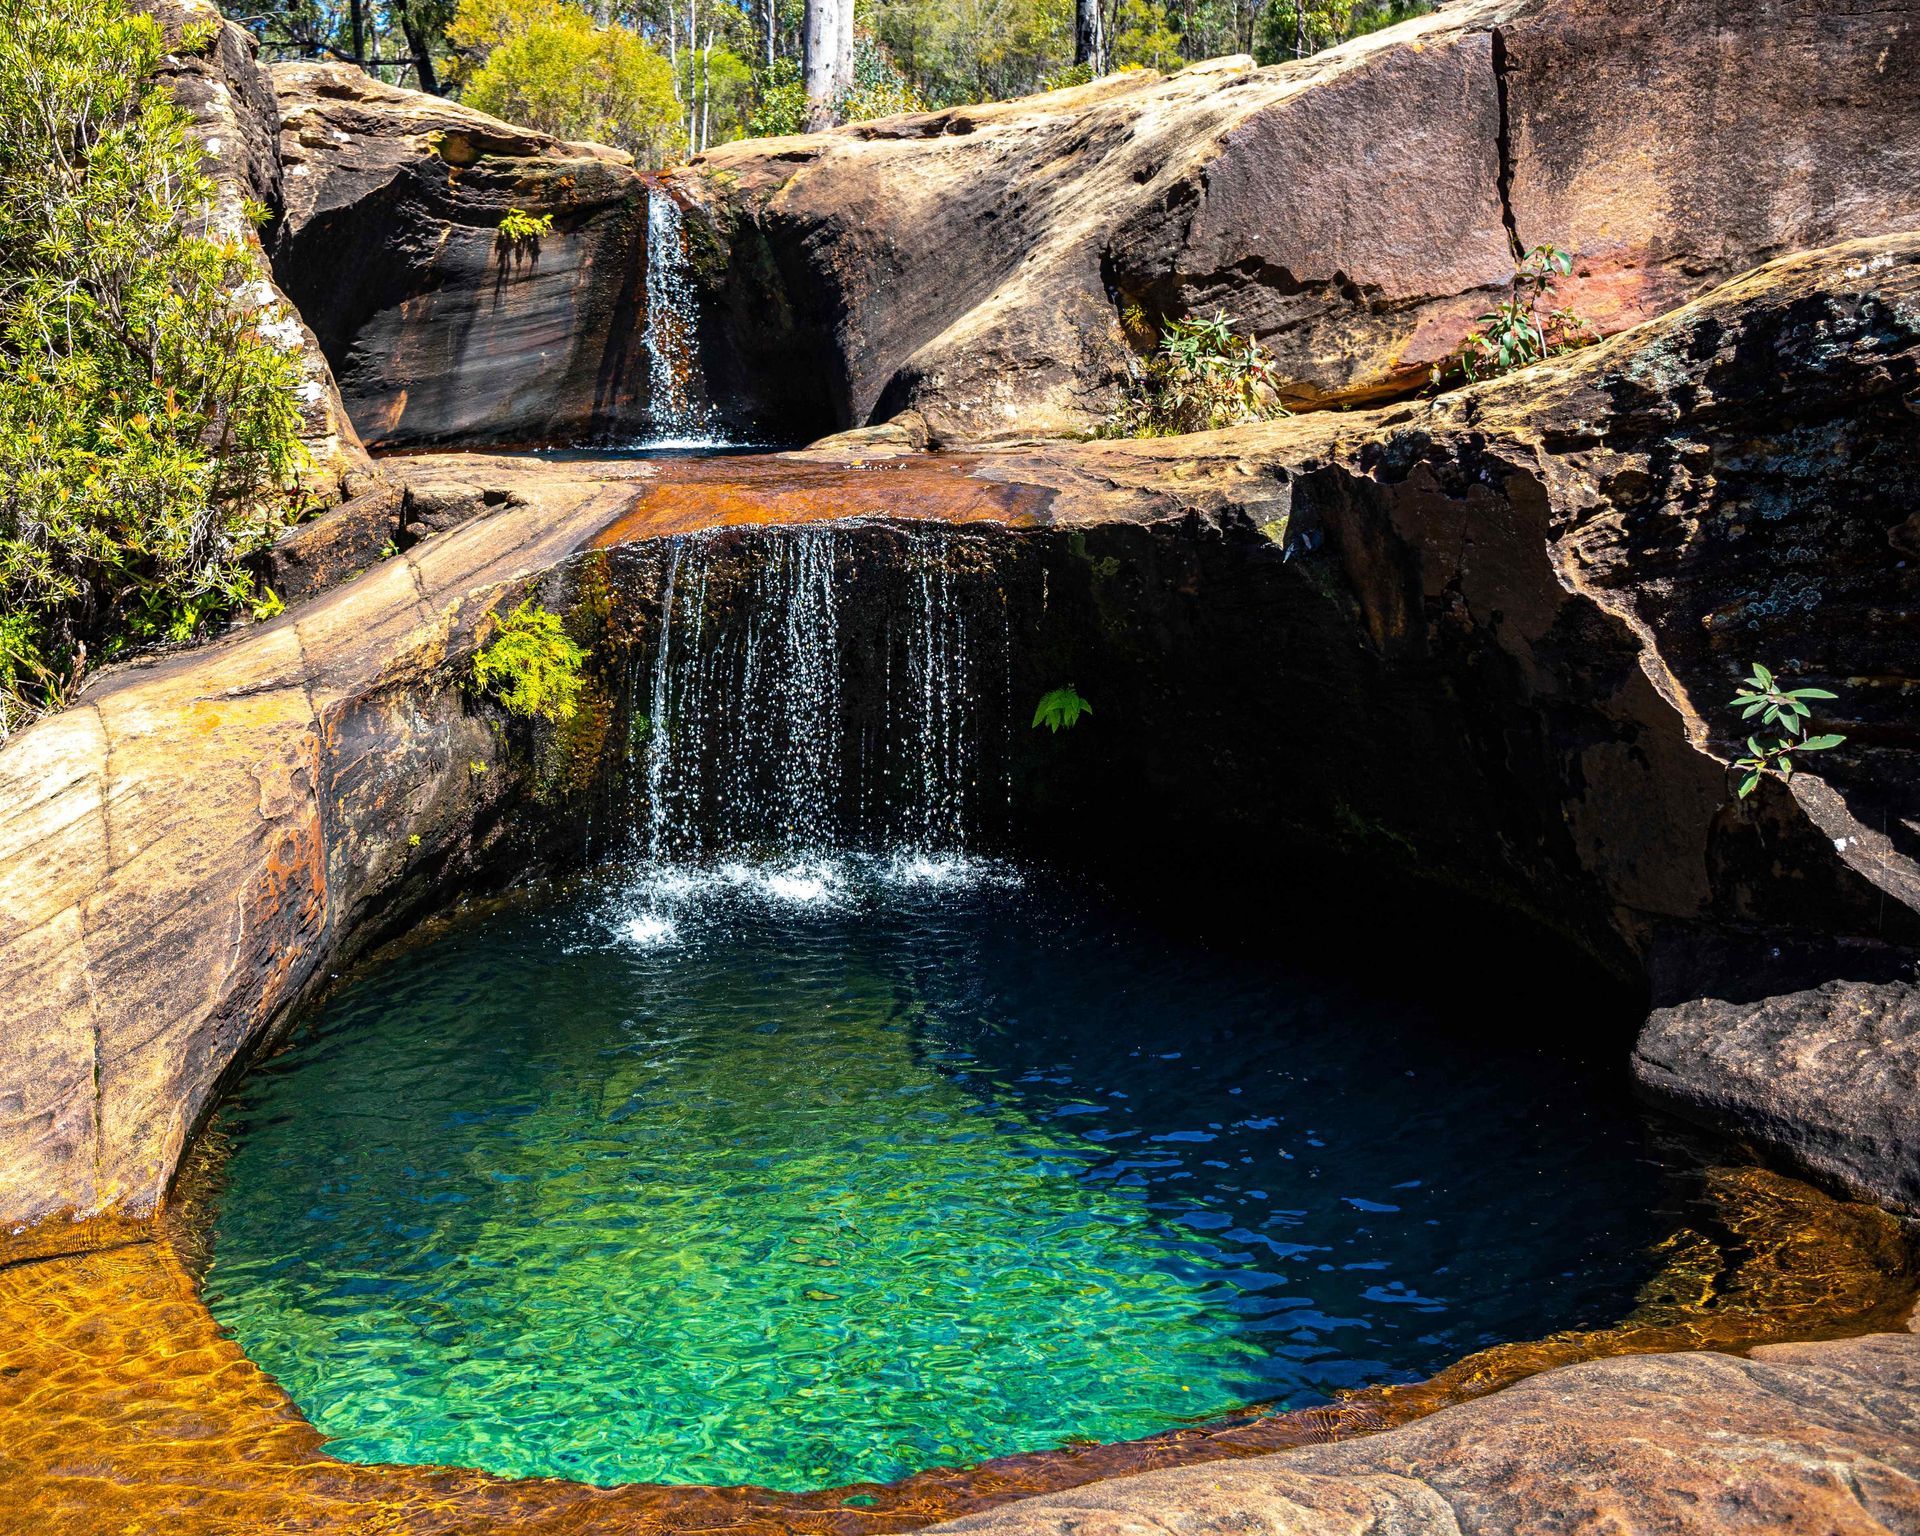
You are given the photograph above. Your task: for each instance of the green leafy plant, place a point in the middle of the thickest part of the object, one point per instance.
(1201, 375)
(1524, 328)
(149, 373)
(1788, 712)
(518, 228)
(531, 666)
(1060, 710)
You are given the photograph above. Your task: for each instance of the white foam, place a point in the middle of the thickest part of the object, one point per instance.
(652, 930)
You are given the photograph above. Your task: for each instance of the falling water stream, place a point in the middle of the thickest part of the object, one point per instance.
(681, 417)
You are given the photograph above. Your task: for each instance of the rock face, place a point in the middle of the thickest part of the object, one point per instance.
(1799, 1437)
(226, 93)
(438, 329)
(1828, 1079)
(1358, 209)
(1507, 619)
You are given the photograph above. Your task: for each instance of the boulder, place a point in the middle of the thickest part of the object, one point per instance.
(440, 329)
(1827, 1079)
(225, 92)
(1358, 209)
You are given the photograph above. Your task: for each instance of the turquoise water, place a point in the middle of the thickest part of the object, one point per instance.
(807, 1176)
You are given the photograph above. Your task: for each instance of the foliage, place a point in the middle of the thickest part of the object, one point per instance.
(1202, 375)
(879, 89)
(564, 76)
(531, 665)
(1060, 710)
(519, 227)
(1515, 333)
(149, 375)
(782, 107)
(1143, 38)
(1291, 29)
(1787, 711)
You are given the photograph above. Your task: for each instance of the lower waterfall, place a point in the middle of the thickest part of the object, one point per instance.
(804, 700)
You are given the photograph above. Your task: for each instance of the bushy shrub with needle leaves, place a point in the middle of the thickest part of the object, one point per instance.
(149, 415)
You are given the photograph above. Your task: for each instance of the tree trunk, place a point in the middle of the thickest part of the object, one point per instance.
(1089, 41)
(359, 36)
(420, 46)
(822, 65)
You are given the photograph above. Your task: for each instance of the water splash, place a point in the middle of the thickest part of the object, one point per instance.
(681, 418)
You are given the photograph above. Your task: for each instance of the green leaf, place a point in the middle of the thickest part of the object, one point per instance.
(1762, 676)
(1060, 710)
(1752, 782)
(1812, 693)
(1819, 743)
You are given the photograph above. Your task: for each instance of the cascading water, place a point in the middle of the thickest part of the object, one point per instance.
(681, 418)
(764, 726)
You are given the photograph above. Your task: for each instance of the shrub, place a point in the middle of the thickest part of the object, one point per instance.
(531, 666)
(783, 101)
(1787, 711)
(149, 414)
(1202, 375)
(1516, 332)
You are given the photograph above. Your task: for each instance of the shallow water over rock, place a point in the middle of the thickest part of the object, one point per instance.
(806, 1174)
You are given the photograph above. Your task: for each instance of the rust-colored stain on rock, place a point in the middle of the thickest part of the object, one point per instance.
(123, 1409)
(723, 493)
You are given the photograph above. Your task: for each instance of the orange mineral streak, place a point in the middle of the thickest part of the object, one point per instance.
(762, 492)
(122, 1409)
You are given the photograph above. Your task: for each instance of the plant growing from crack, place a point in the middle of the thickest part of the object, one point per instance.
(1203, 374)
(1523, 328)
(1788, 712)
(1060, 710)
(521, 231)
(531, 666)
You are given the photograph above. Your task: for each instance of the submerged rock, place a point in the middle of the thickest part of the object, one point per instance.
(1827, 1079)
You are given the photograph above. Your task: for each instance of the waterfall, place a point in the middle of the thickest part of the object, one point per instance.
(783, 713)
(680, 416)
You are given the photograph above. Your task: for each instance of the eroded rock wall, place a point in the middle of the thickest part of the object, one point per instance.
(1359, 210)
(439, 329)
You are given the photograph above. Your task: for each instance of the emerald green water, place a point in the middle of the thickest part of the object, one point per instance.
(833, 1174)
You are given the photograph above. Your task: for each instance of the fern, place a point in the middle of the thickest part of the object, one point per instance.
(1060, 710)
(531, 666)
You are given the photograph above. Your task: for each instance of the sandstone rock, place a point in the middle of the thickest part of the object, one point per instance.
(1827, 1079)
(1501, 616)
(438, 330)
(1798, 1437)
(1358, 209)
(226, 92)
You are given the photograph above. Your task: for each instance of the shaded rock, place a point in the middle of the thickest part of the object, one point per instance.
(437, 328)
(1826, 1079)
(1359, 209)
(1798, 1437)
(226, 92)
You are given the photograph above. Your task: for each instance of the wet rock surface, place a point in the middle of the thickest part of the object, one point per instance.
(1827, 1079)
(439, 329)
